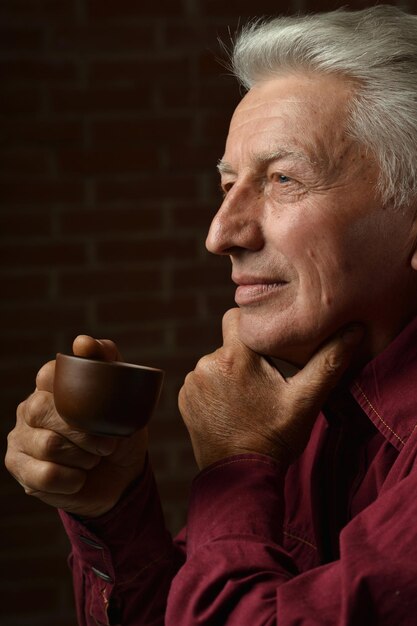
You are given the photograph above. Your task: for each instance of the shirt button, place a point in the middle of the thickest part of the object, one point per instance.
(102, 575)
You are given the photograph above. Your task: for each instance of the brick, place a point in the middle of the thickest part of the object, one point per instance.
(19, 100)
(165, 67)
(195, 216)
(29, 344)
(326, 5)
(42, 254)
(216, 124)
(24, 224)
(152, 187)
(94, 39)
(206, 335)
(193, 157)
(219, 92)
(45, 132)
(33, 71)
(169, 430)
(26, 287)
(32, 162)
(29, 568)
(20, 38)
(41, 192)
(174, 490)
(189, 34)
(210, 65)
(18, 503)
(218, 304)
(96, 100)
(146, 250)
(178, 365)
(107, 161)
(108, 221)
(46, 531)
(135, 343)
(145, 309)
(45, 316)
(107, 282)
(107, 9)
(236, 9)
(155, 128)
(37, 9)
(37, 598)
(17, 376)
(202, 276)
(176, 94)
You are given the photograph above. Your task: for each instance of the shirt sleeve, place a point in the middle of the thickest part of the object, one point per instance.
(236, 572)
(123, 562)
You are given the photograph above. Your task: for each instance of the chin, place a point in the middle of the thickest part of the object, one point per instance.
(287, 345)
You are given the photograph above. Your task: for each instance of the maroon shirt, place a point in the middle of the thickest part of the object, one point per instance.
(334, 541)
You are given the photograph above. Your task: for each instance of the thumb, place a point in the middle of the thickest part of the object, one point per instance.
(327, 366)
(102, 349)
(230, 327)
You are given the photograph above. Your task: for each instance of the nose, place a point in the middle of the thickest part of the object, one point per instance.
(237, 227)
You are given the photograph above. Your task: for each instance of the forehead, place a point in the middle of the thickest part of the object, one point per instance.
(304, 114)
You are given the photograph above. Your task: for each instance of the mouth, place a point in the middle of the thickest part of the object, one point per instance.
(256, 289)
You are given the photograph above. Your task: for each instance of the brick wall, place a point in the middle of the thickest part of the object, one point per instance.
(114, 113)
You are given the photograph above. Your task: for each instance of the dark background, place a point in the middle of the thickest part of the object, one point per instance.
(114, 113)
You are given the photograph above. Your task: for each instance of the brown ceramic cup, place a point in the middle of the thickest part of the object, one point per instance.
(105, 397)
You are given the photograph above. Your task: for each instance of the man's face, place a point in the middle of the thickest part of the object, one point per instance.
(311, 245)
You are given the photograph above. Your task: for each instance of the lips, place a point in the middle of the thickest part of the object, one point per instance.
(251, 290)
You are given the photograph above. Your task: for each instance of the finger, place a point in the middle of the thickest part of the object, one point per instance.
(327, 366)
(38, 411)
(230, 327)
(46, 477)
(48, 445)
(45, 377)
(88, 347)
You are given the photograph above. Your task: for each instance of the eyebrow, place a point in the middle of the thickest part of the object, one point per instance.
(262, 159)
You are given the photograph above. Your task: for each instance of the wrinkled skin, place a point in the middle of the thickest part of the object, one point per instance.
(236, 402)
(80, 473)
(312, 250)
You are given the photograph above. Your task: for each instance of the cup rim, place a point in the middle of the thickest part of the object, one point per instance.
(119, 364)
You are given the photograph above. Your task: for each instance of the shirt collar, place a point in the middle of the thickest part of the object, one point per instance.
(386, 388)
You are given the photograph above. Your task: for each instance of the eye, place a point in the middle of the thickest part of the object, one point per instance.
(226, 187)
(281, 178)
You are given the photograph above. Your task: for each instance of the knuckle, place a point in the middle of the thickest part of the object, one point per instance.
(39, 407)
(332, 364)
(52, 444)
(228, 316)
(53, 478)
(206, 361)
(10, 460)
(226, 360)
(21, 409)
(47, 477)
(45, 373)
(188, 380)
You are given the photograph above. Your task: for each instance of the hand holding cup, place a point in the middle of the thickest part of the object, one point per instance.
(105, 397)
(71, 467)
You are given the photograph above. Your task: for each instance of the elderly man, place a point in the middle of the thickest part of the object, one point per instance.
(304, 511)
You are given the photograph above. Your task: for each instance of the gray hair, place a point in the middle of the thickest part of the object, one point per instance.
(377, 48)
